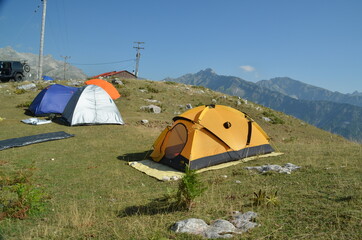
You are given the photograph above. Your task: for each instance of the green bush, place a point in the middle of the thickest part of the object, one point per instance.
(125, 93)
(24, 105)
(274, 119)
(198, 87)
(189, 188)
(262, 199)
(19, 91)
(170, 83)
(152, 90)
(19, 198)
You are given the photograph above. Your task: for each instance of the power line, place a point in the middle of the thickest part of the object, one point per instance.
(128, 60)
(65, 63)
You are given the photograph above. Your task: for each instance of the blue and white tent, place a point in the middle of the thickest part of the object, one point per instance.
(52, 99)
(91, 104)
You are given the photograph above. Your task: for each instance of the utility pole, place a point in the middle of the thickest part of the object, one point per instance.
(65, 64)
(40, 66)
(138, 56)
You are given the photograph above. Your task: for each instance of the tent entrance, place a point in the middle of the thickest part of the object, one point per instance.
(177, 138)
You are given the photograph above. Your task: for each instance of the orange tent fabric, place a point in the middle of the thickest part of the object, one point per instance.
(108, 87)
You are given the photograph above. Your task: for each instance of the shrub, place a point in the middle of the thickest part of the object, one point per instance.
(125, 92)
(262, 199)
(23, 200)
(274, 119)
(199, 87)
(24, 105)
(19, 91)
(152, 90)
(170, 83)
(19, 198)
(189, 188)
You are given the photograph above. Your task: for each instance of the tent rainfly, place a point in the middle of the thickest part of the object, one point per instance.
(91, 105)
(108, 87)
(51, 99)
(209, 135)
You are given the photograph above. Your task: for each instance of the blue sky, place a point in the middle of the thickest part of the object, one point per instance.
(318, 42)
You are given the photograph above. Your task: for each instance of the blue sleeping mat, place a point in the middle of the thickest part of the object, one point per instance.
(23, 141)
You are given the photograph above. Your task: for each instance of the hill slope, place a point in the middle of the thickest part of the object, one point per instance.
(342, 119)
(92, 192)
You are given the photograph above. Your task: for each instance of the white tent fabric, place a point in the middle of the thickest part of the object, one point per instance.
(91, 104)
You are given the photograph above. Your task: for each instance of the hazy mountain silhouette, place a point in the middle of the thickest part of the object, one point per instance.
(300, 90)
(51, 67)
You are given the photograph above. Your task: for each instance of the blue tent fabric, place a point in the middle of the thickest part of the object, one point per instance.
(23, 141)
(51, 99)
(47, 78)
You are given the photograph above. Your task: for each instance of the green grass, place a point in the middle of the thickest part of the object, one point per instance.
(93, 194)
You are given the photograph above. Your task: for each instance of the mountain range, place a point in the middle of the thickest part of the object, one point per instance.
(300, 90)
(51, 67)
(332, 111)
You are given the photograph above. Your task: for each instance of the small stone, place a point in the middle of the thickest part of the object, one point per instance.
(165, 178)
(118, 82)
(28, 86)
(266, 119)
(152, 100)
(175, 178)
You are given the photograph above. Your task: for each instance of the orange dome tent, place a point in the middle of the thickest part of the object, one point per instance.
(209, 135)
(108, 87)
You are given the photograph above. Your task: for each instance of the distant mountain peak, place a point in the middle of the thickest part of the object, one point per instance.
(299, 90)
(9, 49)
(207, 71)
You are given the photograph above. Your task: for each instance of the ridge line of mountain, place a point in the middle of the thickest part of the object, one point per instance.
(299, 90)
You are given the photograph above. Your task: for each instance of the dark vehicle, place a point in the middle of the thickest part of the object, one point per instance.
(13, 70)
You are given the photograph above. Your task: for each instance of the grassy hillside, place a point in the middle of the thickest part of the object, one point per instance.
(88, 191)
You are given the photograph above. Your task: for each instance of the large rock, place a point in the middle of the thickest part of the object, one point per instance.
(151, 108)
(244, 221)
(30, 86)
(191, 225)
(220, 229)
(239, 223)
(288, 168)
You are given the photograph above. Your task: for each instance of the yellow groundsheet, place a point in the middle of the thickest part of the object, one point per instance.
(165, 173)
